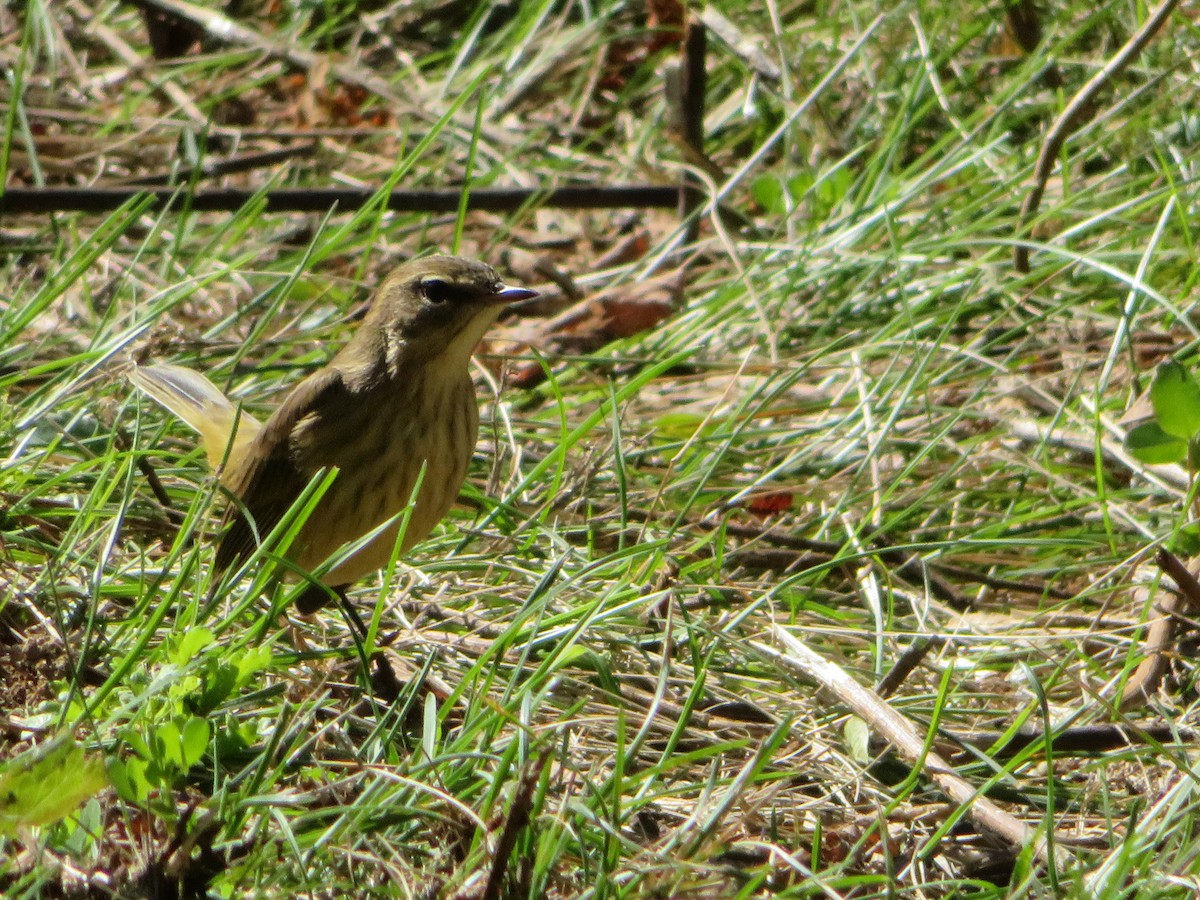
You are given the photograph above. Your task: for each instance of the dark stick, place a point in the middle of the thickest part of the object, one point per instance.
(691, 102)
(519, 814)
(40, 200)
(906, 663)
(1096, 738)
(1160, 635)
(1184, 579)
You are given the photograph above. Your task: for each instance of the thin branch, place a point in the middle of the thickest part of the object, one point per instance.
(909, 743)
(221, 28)
(1076, 113)
(907, 663)
(215, 168)
(1096, 738)
(520, 813)
(1143, 684)
(691, 117)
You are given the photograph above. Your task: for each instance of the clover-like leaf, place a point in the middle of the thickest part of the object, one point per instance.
(46, 784)
(1151, 445)
(1175, 397)
(194, 740)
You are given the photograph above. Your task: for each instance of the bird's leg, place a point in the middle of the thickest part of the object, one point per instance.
(383, 680)
(317, 596)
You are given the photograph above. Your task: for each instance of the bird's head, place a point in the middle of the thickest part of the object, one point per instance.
(438, 306)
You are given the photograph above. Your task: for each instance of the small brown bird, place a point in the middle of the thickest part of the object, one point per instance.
(396, 398)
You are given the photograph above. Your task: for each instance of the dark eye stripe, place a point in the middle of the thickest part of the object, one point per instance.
(439, 291)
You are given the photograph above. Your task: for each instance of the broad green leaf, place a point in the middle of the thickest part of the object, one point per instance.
(253, 661)
(190, 645)
(831, 189)
(799, 185)
(767, 191)
(137, 743)
(168, 745)
(128, 776)
(219, 682)
(1175, 397)
(196, 733)
(46, 784)
(1150, 444)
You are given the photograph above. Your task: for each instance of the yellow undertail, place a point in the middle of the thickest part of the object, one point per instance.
(202, 406)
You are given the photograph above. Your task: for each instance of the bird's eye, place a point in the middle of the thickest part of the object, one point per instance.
(435, 290)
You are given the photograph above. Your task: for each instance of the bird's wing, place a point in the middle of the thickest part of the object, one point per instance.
(269, 481)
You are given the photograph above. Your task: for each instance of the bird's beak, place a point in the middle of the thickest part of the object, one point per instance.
(511, 295)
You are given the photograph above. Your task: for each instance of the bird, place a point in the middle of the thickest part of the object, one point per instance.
(395, 405)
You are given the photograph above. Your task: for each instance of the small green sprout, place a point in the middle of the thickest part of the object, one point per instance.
(1173, 435)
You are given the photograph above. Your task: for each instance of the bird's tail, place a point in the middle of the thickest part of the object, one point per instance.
(202, 406)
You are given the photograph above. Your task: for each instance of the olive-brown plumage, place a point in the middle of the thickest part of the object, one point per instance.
(397, 398)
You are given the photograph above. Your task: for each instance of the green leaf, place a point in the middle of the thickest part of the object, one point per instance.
(1186, 541)
(799, 185)
(46, 784)
(767, 191)
(251, 662)
(1151, 445)
(218, 683)
(128, 776)
(1175, 397)
(137, 743)
(196, 733)
(831, 189)
(190, 645)
(168, 745)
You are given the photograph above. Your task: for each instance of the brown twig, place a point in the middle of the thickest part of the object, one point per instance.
(1160, 636)
(691, 117)
(215, 168)
(174, 516)
(1181, 574)
(519, 814)
(907, 663)
(1076, 112)
(909, 743)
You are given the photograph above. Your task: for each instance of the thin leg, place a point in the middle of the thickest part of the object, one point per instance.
(318, 596)
(383, 680)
